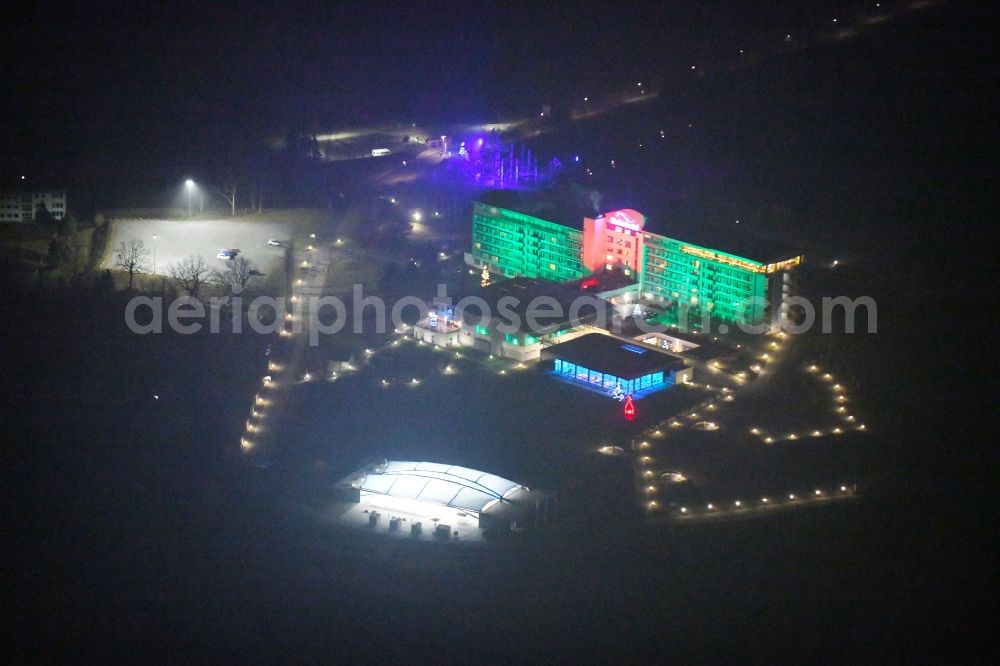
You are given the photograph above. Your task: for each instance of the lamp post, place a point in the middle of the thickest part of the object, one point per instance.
(189, 184)
(154, 253)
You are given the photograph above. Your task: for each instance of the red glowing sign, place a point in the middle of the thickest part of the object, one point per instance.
(629, 408)
(628, 218)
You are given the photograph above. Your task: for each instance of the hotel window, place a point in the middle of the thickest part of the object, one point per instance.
(511, 339)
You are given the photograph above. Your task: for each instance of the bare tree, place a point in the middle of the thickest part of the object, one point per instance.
(239, 272)
(227, 188)
(190, 274)
(257, 195)
(132, 256)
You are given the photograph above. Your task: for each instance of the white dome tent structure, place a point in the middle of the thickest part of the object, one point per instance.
(435, 496)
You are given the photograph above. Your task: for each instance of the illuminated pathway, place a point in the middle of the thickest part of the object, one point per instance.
(752, 507)
(308, 277)
(709, 415)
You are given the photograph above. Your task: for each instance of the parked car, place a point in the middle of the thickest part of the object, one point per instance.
(274, 242)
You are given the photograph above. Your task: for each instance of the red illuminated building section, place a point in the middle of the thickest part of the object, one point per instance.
(614, 241)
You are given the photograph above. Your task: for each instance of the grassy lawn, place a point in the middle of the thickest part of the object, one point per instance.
(732, 462)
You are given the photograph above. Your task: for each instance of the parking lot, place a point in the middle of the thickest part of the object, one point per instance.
(174, 240)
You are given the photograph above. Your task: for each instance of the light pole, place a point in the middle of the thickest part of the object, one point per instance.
(154, 253)
(189, 184)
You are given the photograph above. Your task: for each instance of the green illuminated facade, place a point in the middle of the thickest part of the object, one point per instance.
(517, 245)
(730, 288)
(725, 286)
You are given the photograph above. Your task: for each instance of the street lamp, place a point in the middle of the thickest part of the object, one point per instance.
(189, 184)
(154, 253)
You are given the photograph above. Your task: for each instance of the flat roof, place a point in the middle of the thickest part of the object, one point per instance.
(553, 206)
(734, 239)
(525, 290)
(545, 204)
(601, 281)
(622, 358)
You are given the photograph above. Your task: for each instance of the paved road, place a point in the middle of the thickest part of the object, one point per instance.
(178, 239)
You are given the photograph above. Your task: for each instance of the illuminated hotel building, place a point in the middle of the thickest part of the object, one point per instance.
(517, 245)
(727, 286)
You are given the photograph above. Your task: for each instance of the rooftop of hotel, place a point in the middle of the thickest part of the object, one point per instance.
(605, 353)
(732, 239)
(565, 209)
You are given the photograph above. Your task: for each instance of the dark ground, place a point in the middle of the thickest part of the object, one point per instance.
(130, 530)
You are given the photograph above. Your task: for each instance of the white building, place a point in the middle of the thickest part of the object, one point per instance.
(24, 206)
(493, 331)
(426, 500)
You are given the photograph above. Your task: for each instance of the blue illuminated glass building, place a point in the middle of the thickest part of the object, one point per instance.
(602, 362)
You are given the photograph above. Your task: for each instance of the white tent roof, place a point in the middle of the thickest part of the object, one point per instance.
(450, 485)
